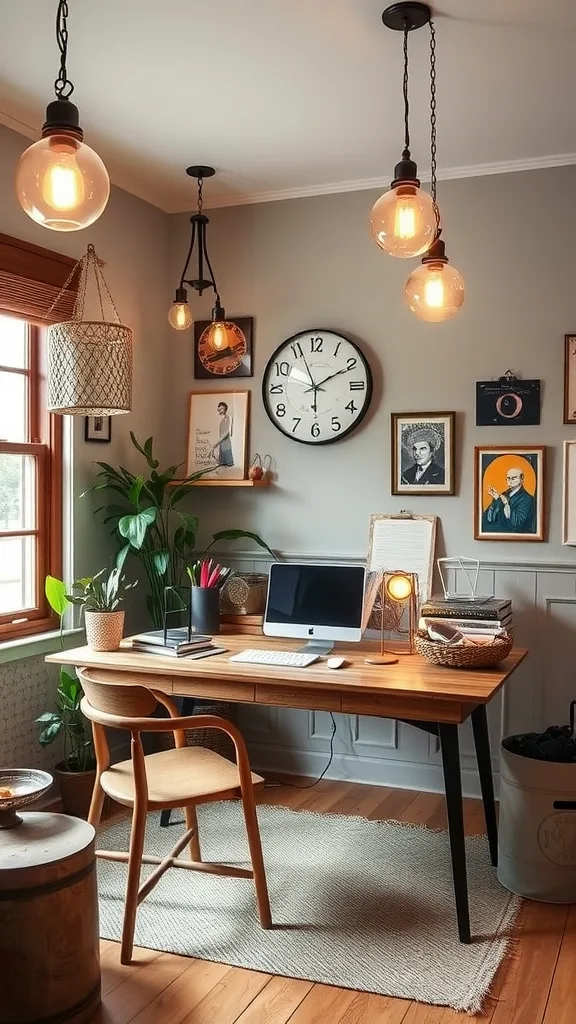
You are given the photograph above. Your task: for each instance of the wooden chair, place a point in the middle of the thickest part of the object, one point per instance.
(181, 777)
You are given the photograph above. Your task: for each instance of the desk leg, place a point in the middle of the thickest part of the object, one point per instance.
(482, 744)
(453, 789)
(187, 708)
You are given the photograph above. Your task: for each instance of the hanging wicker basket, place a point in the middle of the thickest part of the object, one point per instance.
(90, 361)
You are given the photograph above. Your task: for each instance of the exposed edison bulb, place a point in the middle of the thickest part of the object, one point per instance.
(62, 183)
(399, 587)
(180, 316)
(435, 291)
(403, 221)
(218, 337)
(222, 334)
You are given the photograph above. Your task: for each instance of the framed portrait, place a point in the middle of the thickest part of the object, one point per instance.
(218, 434)
(98, 428)
(570, 378)
(509, 492)
(232, 359)
(569, 494)
(423, 453)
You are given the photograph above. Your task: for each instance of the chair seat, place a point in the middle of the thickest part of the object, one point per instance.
(176, 777)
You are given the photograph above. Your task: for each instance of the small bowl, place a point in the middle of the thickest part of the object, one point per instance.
(26, 784)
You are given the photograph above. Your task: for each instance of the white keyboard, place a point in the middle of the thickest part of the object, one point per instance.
(292, 659)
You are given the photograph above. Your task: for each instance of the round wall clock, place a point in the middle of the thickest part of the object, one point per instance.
(317, 387)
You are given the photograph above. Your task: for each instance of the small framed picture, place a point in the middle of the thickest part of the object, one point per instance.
(98, 428)
(218, 434)
(570, 378)
(509, 492)
(569, 494)
(233, 358)
(423, 453)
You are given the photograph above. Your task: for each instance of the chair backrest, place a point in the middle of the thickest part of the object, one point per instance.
(116, 700)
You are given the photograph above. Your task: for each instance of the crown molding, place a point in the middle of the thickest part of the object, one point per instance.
(364, 184)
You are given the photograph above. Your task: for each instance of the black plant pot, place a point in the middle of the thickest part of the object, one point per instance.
(205, 610)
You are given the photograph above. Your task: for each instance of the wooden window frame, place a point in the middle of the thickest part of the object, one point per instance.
(44, 431)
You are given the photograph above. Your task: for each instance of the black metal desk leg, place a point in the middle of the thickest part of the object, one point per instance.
(453, 789)
(186, 708)
(482, 744)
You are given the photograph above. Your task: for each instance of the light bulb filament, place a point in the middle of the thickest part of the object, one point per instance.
(404, 219)
(434, 291)
(218, 338)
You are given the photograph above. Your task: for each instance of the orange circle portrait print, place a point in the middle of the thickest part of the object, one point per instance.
(510, 500)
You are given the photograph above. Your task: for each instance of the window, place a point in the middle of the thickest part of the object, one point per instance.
(30, 438)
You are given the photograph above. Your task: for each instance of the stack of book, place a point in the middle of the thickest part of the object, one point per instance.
(478, 618)
(176, 643)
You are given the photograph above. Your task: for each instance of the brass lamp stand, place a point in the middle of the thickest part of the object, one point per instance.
(400, 587)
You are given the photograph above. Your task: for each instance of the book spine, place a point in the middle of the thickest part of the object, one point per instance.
(481, 626)
(436, 612)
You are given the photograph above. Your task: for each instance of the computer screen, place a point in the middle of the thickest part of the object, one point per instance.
(323, 602)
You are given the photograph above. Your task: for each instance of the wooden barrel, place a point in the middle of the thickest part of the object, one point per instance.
(49, 949)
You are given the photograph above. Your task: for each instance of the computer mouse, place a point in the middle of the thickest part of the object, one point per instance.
(335, 662)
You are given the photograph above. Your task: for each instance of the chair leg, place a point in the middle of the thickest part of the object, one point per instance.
(134, 868)
(96, 804)
(250, 817)
(192, 822)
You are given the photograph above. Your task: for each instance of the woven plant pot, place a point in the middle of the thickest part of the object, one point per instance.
(104, 630)
(468, 656)
(75, 790)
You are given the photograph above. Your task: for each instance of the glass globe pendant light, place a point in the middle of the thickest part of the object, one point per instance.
(435, 290)
(221, 333)
(403, 220)
(61, 183)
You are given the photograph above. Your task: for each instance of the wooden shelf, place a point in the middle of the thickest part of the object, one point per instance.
(222, 483)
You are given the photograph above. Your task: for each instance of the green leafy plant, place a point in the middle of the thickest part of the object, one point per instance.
(103, 592)
(149, 524)
(66, 719)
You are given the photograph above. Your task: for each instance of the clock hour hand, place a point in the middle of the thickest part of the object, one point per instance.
(314, 386)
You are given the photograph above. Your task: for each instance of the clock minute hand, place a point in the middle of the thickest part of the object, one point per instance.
(314, 386)
(321, 382)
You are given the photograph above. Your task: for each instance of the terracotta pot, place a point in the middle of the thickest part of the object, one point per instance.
(104, 630)
(75, 790)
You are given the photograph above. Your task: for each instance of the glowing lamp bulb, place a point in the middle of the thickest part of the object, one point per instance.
(399, 587)
(218, 337)
(403, 221)
(180, 316)
(435, 290)
(61, 183)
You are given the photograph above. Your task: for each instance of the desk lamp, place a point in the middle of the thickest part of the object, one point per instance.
(400, 588)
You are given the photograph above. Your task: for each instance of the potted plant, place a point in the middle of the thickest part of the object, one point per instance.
(150, 525)
(100, 596)
(76, 771)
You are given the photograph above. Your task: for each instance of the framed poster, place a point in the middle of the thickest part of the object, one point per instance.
(231, 359)
(569, 494)
(218, 434)
(570, 378)
(509, 492)
(423, 452)
(98, 428)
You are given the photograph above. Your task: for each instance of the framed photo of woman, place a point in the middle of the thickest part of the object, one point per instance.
(218, 434)
(509, 492)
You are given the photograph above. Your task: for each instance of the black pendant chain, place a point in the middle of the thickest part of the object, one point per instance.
(406, 151)
(433, 122)
(62, 86)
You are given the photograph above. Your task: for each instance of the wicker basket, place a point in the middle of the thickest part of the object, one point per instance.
(467, 656)
(245, 593)
(213, 739)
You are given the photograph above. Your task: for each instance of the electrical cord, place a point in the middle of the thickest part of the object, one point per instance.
(310, 785)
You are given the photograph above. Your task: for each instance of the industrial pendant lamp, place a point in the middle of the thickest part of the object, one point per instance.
(221, 333)
(61, 183)
(435, 290)
(403, 220)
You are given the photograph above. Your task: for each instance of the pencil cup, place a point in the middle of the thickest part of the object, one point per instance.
(205, 609)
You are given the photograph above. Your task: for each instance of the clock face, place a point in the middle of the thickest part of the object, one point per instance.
(228, 352)
(317, 387)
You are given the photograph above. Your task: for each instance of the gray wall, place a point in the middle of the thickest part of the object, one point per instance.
(311, 263)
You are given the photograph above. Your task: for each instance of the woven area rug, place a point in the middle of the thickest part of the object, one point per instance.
(360, 904)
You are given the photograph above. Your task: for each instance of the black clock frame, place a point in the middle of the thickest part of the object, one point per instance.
(369, 385)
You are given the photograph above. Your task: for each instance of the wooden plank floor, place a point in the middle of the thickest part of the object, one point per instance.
(534, 986)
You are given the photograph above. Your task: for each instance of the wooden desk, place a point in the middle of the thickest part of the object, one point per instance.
(413, 691)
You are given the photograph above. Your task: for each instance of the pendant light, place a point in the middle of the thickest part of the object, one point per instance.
(435, 290)
(403, 220)
(221, 333)
(60, 182)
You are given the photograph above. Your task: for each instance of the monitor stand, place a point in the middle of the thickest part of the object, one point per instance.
(316, 647)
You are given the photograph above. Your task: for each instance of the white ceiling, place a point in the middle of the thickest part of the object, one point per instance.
(294, 97)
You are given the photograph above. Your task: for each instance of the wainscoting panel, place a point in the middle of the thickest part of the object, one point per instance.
(381, 751)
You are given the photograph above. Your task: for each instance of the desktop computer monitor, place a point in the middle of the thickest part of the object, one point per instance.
(319, 603)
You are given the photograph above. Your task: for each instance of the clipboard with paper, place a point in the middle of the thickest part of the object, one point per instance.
(403, 542)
